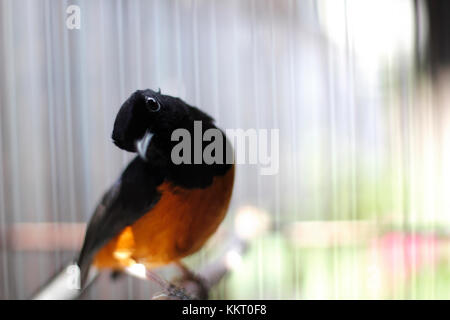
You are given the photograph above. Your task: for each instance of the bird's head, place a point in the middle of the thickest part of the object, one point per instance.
(148, 117)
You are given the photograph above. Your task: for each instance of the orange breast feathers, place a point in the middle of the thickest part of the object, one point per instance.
(177, 226)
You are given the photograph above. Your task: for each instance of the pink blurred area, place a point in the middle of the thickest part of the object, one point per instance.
(401, 255)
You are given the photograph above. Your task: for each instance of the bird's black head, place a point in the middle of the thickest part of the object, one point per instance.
(144, 111)
(148, 115)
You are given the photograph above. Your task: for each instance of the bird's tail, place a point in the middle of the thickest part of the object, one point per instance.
(84, 265)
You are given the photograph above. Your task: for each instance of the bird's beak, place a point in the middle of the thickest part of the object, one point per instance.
(143, 143)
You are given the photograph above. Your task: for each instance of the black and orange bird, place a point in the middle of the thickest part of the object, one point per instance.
(157, 212)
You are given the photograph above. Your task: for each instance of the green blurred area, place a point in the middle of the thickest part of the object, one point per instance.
(275, 269)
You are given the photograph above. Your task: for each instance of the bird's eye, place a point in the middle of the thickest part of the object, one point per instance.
(152, 104)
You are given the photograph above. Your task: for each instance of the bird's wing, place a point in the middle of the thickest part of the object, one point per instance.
(133, 195)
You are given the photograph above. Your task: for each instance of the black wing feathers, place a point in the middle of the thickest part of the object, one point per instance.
(134, 194)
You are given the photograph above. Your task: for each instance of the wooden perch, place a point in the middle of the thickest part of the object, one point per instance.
(197, 286)
(189, 286)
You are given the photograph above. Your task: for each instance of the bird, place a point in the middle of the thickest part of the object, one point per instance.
(158, 211)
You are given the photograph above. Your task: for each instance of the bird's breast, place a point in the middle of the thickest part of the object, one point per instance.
(177, 226)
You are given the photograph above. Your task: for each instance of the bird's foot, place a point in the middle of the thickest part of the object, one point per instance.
(171, 291)
(194, 284)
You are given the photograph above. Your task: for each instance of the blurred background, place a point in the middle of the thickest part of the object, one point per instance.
(359, 89)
